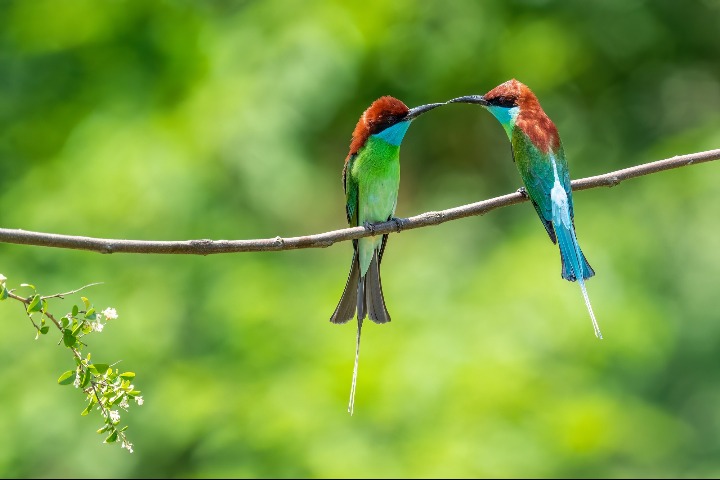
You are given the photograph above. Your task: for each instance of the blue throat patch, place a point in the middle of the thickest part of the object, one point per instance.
(506, 116)
(394, 135)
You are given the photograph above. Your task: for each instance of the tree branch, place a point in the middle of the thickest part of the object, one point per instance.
(208, 247)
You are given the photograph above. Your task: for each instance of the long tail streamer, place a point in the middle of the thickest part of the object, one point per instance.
(569, 247)
(351, 405)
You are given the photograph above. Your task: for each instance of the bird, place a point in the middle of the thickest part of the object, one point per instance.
(371, 181)
(538, 154)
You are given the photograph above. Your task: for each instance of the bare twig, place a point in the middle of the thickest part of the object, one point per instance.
(208, 247)
(64, 294)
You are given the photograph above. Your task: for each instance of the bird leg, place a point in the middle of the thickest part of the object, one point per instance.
(523, 192)
(398, 223)
(369, 226)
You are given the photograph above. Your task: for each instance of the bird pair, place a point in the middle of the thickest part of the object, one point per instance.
(371, 179)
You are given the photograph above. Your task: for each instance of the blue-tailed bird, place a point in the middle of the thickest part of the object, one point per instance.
(538, 154)
(371, 179)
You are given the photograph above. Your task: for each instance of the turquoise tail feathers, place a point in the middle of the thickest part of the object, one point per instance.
(574, 265)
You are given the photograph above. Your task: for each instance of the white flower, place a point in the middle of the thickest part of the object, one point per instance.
(97, 326)
(124, 403)
(3, 278)
(127, 445)
(76, 383)
(110, 313)
(114, 416)
(139, 400)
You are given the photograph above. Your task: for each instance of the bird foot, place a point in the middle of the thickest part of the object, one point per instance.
(398, 223)
(369, 226)
(522, 192)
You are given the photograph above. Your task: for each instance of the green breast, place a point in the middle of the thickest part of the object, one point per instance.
(376, 170)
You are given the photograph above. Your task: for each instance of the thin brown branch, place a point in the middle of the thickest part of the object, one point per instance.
(64, 294)
(208, 247)
(27, 300)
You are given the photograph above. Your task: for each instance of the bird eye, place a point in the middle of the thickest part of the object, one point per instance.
(503, 101)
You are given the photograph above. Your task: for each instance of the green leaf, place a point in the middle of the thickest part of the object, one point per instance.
(112, 437)
(77, 329)
(90, 314)
(67, 378)
(44, 306)
(27, 285)
(3, 292)
(64, 321)
(87, 409)
(75, 311)
(124, 428)
(44, 330)
(86, 379)
(35, 304)
(127, 375)
(86, 302)
(99, 368)
(68, 338)
(104, 429)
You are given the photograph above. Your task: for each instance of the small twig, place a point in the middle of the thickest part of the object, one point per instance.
(52, 318)
(321, 240)
(24, 300)
(62, 295)
(27, 300)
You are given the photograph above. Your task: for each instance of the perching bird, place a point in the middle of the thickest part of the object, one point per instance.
(538, 154)
(371, 179)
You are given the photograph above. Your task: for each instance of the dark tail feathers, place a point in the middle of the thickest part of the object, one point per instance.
(364, 294)
(374, 300)
(345, 310)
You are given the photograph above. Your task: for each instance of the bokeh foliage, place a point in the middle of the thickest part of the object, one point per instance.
(231, 119)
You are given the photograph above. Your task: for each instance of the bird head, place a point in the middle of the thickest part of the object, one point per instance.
(505, 102)
(514, 104)
(387, 118)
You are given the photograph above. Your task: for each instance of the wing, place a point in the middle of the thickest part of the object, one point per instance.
(537, 173)
(350, 186)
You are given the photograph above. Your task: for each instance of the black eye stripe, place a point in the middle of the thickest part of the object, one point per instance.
(385, 122)
(503, 101)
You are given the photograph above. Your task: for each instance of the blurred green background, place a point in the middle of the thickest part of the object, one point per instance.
(231, 119)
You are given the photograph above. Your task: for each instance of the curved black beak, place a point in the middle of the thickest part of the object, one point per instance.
(417, 111)
(479, 99)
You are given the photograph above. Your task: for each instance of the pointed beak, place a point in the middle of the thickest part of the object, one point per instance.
(417, 111)
(479, 99)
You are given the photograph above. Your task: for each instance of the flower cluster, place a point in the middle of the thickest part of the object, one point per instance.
(106, 389)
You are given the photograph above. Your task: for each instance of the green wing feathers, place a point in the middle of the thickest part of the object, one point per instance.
(350, 186)
(537, 174)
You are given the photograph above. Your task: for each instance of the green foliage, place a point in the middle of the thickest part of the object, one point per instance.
(105, 388)
(232, 119)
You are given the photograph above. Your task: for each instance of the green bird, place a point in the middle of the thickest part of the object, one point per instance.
(538, 154)
(371, 179)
